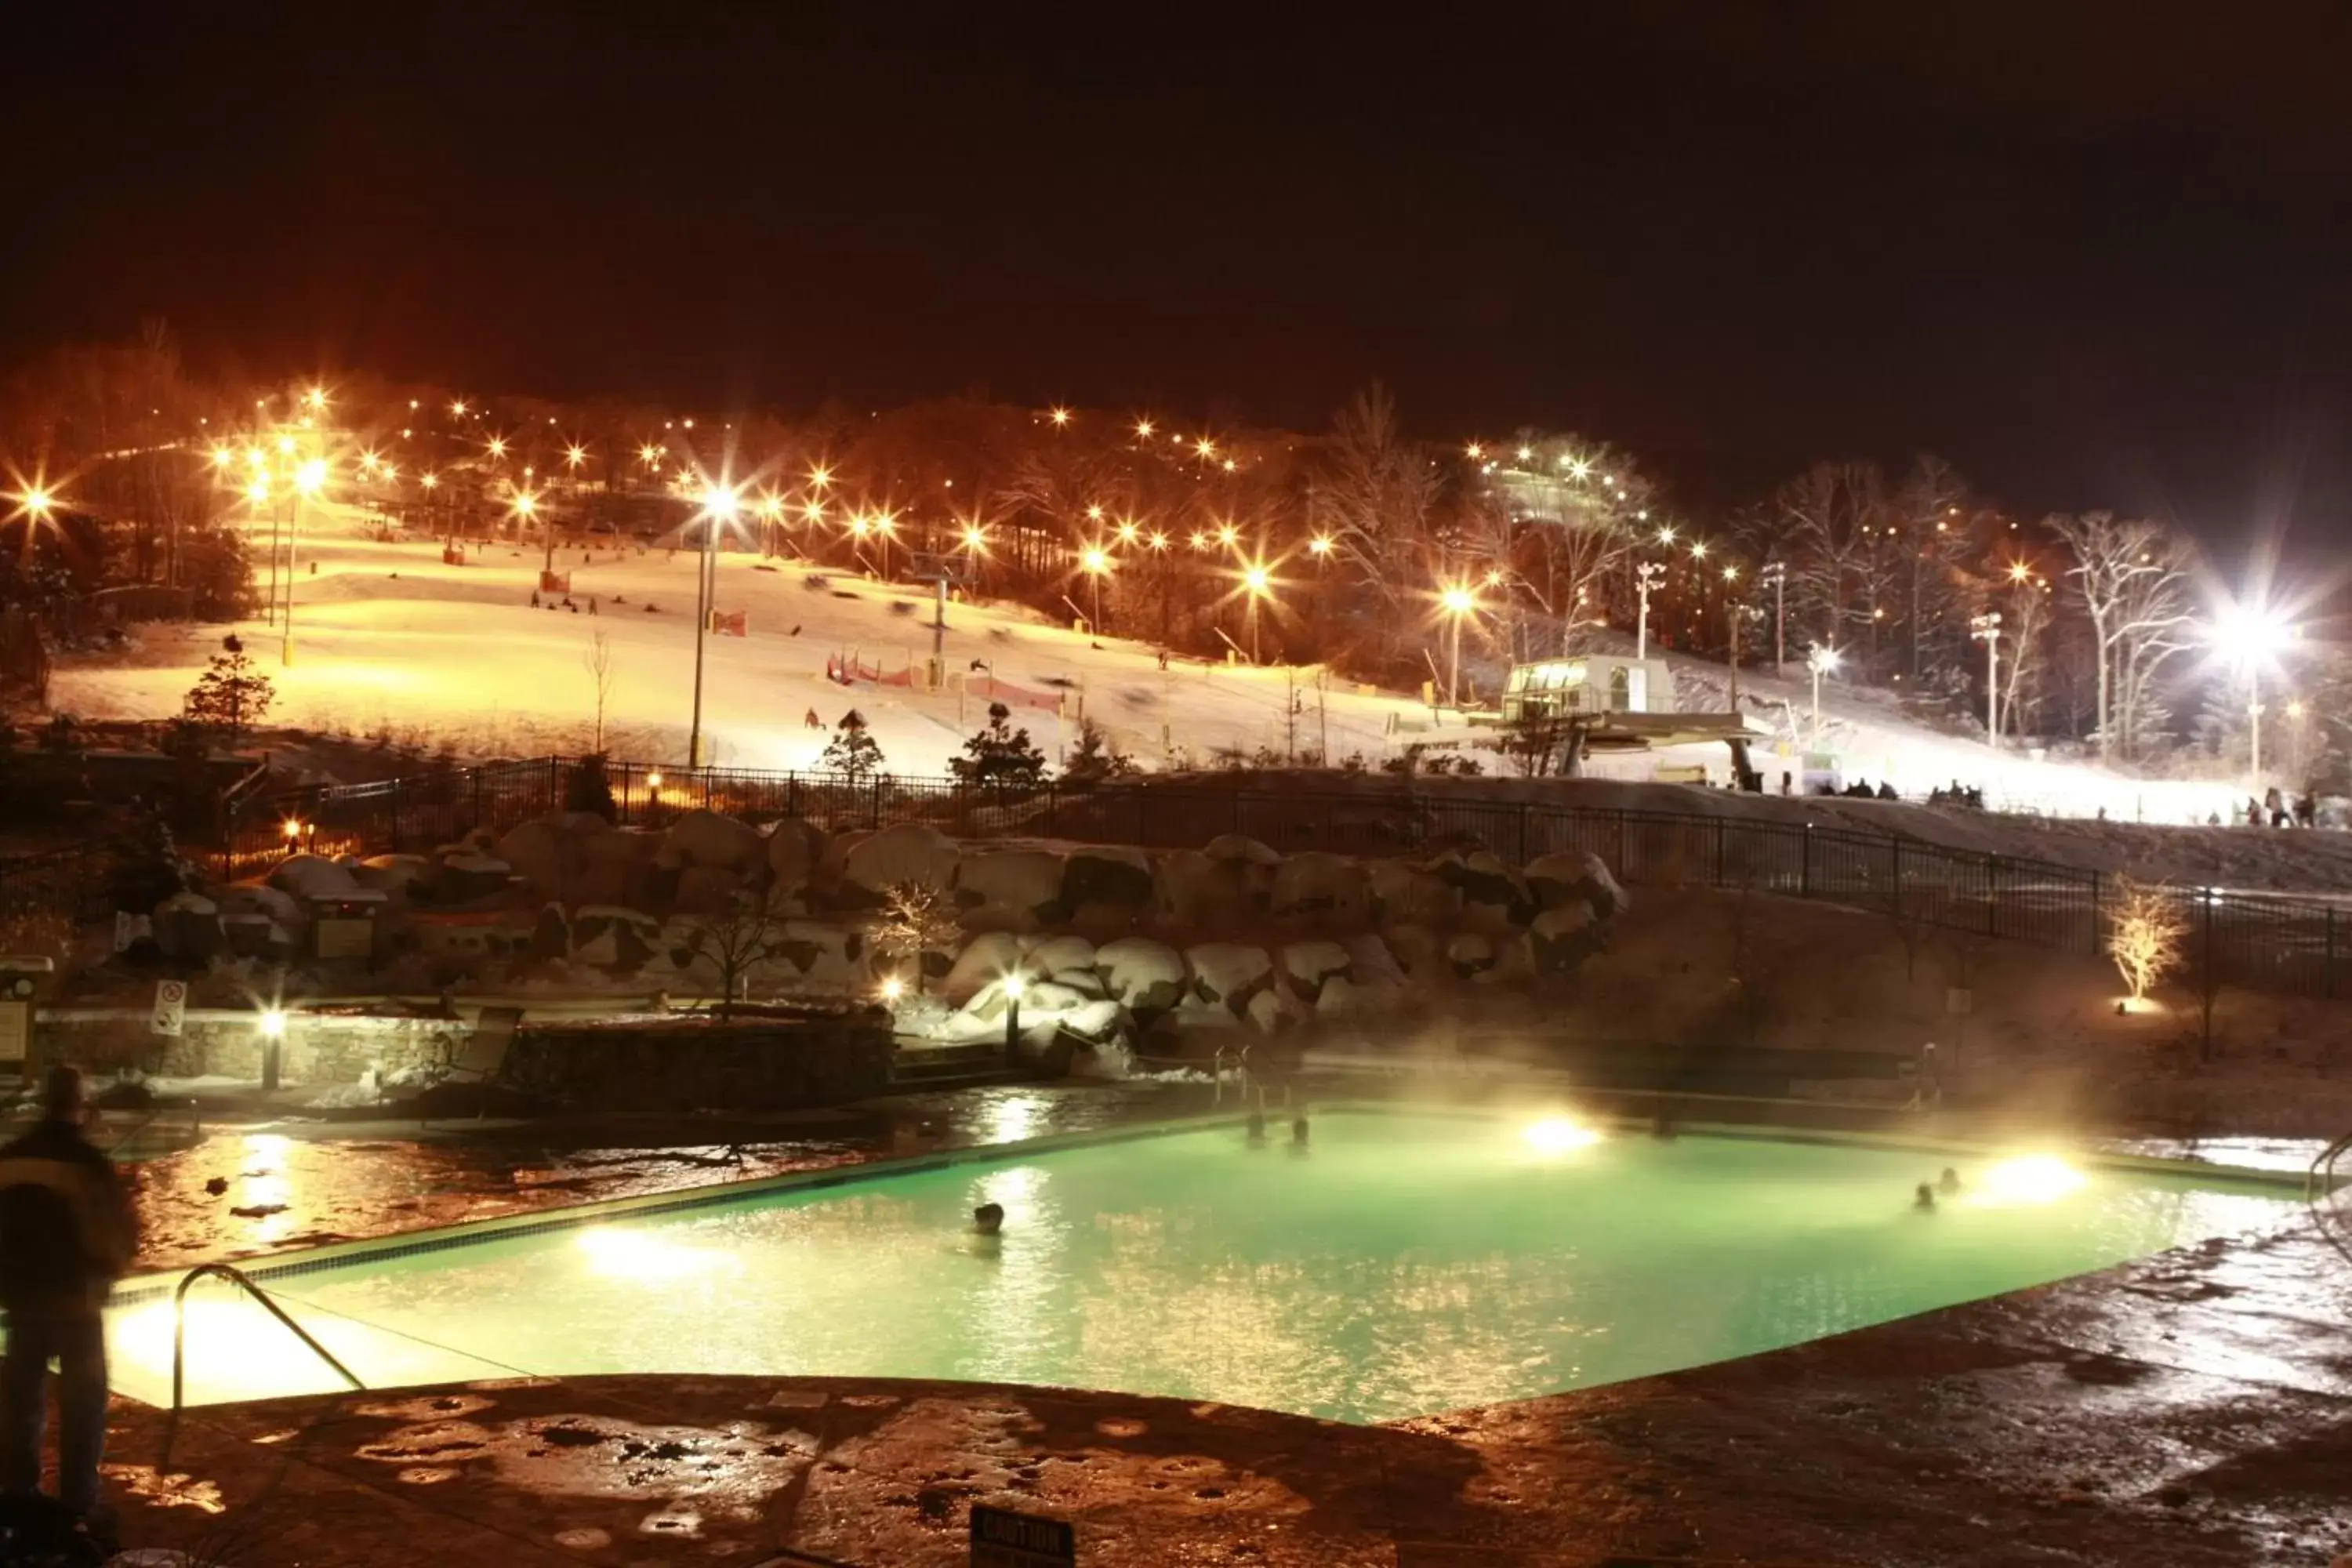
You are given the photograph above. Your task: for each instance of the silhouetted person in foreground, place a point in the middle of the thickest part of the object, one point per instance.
(66, 1232)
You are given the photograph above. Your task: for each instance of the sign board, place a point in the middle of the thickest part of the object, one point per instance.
(171, 1009)
(1003, 1539)
(1959, 1001)
(15, 1032)
(730, 624)
(344, 936)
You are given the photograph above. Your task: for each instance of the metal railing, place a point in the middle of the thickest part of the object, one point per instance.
(2276, 943)
(236, 1278)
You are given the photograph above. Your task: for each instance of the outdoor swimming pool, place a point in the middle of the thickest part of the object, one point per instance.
(1400, 1264)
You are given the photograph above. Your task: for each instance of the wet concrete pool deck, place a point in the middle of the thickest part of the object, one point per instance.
(2193, 1408)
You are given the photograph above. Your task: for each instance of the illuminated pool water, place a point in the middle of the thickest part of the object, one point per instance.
(1402, 1265)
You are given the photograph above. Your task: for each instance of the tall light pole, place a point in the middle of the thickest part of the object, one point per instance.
(307, 479)
(1776, 573)
(1732, 610)
(1097, 564)
(525, 506)
(1987, 627)
(1821, 661)
(718, 504)
(2252, 637)
(1258, 584)
(1646, 577)
(1457, 601)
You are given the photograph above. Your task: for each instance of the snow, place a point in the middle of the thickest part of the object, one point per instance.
(388, 639)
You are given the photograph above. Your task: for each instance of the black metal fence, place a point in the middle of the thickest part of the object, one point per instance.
(2279, 944)
(72, 883)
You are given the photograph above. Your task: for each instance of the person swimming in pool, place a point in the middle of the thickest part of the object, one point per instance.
(988, 1219)
(1949, 1182)
(1924, 1198)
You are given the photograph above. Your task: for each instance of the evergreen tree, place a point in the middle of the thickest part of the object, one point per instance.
(231, 692)
(853, 753)
(1000, 759)
(589, 788)
(1094, 758)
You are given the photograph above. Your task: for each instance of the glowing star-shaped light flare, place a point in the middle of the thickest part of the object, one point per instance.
(575, 454)
(496, 446)
(1457, 601)
(430, 481)
(311, 477)
(1098, 561)
(1558, 1135)
(1319, 545)
(1144, 428)
(820, 475)
(975, 539)
(1061, 417)
(1259, 581)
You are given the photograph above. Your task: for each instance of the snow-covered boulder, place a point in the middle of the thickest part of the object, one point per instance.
(1048, 957)
(985, 959)
(795, 850)
(260, 898)
(1469, 953)
(1419, 951)
(904, 852)
(469, 876)
(819, 955)
(1322, 892)
(708, 890)
(549, 941)
(1274, 1011)
(187, 927)
(1306, 966)
(1226, 975)
(395, 875)
(1343, 998)
(1009, 890)
(1147, 977)
(1096, 1023)
(1242, 848)
(1562, 938)
(1371, 967)
(1511, 961)
(620, 941)
(1248, 866)
(1494, 903)
(1401, 893)
(1041, 1001)
(313, 877)
(543, 855)
(1107, 885)
(712, 839)
(1575, 876)
(616, 866)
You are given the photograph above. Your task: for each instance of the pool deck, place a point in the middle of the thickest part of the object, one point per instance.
(2190, 1409)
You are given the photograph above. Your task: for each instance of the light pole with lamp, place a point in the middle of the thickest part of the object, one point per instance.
(1647, 577)
(1097, 562)
(1258, 583)
(1987, 627)
(718, 505)
(1456, 602)
(1821, 661)
(2250, 637)
(1776, 577)
(308, 481)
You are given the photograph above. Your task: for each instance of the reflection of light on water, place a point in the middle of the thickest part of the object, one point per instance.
(1558, 1135)
(1014, 1117)
(2028, 1179)
(638, 1254)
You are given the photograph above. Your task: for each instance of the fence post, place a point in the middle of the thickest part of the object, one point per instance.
(1523, 834)
(2205, 957)
(1894, 880)
(1721, 828)
(1805, 864)
(1622, 869)
(1992, 895)
(875, 817)
(2098, 882)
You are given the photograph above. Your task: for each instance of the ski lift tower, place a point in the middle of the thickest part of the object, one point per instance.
(941, 569)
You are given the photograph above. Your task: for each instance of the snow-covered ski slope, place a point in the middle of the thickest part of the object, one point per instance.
(387, 637)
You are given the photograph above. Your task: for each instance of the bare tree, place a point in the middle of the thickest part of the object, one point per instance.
(2128, 577)
(733, 944)
(917, 919)
(2146, 924)
(1375, 497)
(2025, 625)
(599, 662)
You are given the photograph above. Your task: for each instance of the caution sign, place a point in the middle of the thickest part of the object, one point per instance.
(1003, 1539)
(170, 1007)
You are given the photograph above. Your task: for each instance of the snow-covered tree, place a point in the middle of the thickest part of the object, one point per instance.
(231, 693)
(853, 753)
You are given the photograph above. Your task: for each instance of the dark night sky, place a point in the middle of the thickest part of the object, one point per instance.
(2095, 254)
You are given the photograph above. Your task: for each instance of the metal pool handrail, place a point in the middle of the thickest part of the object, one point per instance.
(236, 1278)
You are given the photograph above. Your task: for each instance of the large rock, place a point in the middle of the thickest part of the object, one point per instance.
(709, 890)
(471, 876)
(1249, 864)
(1494, 903)
(1401, 893)
(1145, 977)
(1419, 951)
(188, 929)
(1106, 886)
(708, 838)
(313, 877)
(1371, 966)
(1307, 965)
(619, 942)
(1321, 891)
(906, 852)
(1274, 1011)
(1226, 974)
(822, 956)
(402, 877)
(1049, 958)
(548, 859)
(260, 898)
(617, 866)
(1562, 938)
(984, 960)
(795, 850)
(1470, 954)
(1009, 890)
(1575, 876)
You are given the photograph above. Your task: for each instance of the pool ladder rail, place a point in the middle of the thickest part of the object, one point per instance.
(238, 1278)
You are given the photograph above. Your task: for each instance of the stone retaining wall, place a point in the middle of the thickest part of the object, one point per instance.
(757, 1066)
